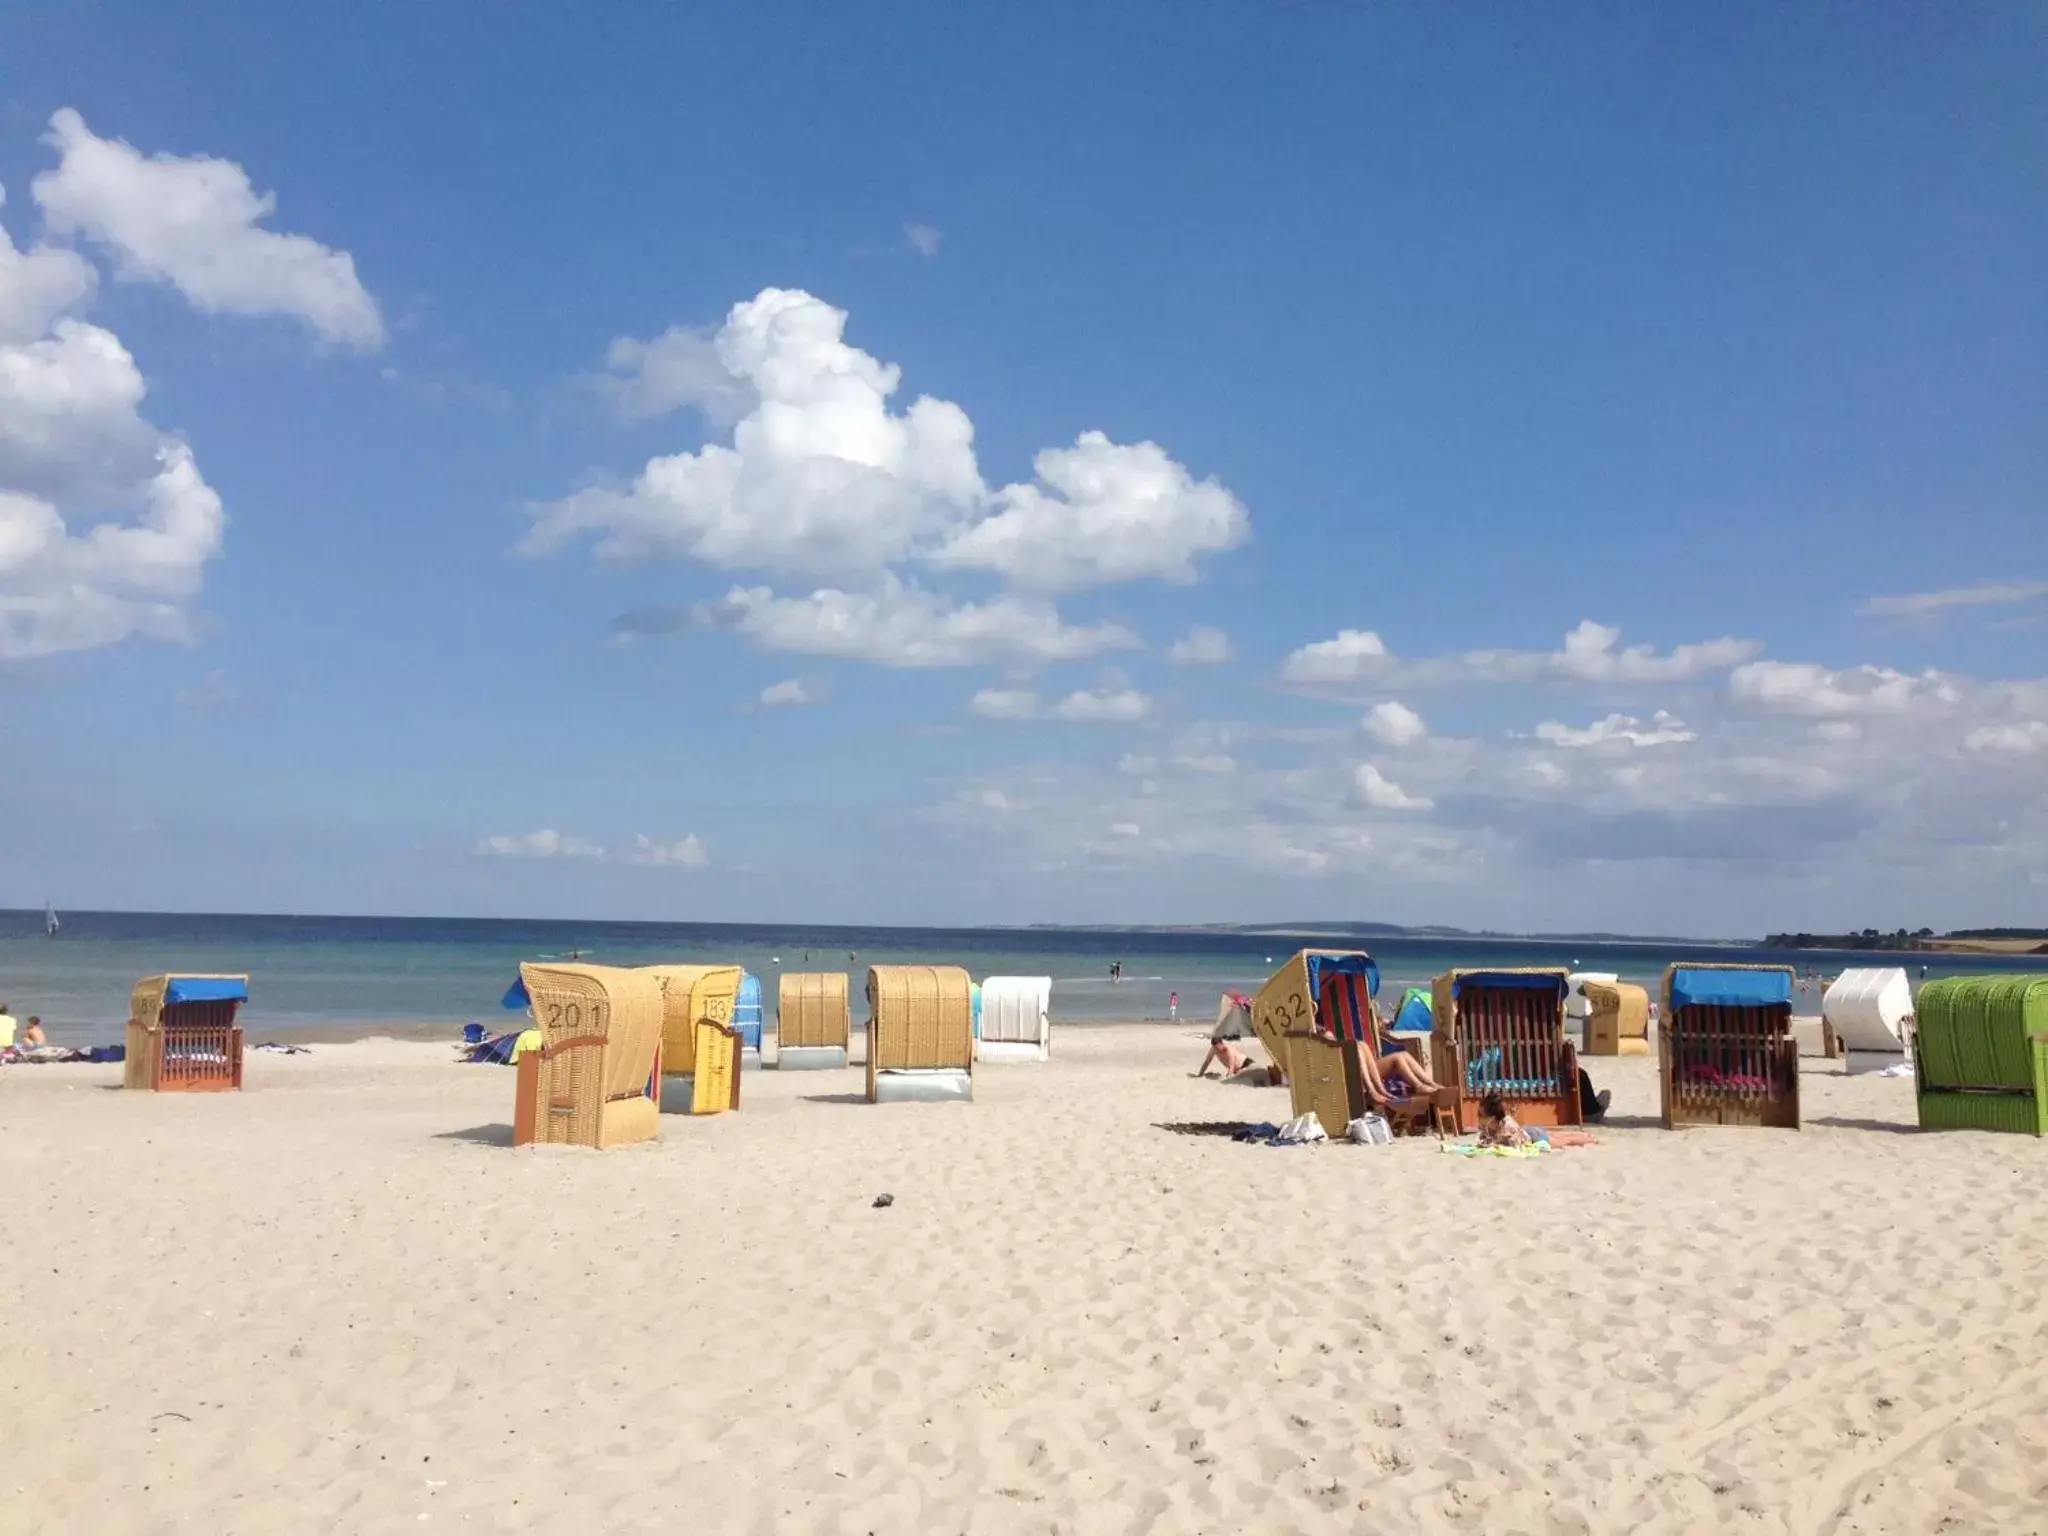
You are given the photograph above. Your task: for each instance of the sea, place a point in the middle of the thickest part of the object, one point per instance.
(326, 971)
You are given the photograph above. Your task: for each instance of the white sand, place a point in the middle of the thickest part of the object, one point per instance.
(337, 1302)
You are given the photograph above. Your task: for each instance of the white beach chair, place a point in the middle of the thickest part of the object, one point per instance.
(1869, 1009)
(1016, 1022)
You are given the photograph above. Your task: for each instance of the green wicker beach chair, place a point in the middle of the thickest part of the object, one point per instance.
(1980, 1054)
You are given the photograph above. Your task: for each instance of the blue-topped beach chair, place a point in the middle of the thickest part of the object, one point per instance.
(182, 1034)
(1726, 1051)
(1502, 1032)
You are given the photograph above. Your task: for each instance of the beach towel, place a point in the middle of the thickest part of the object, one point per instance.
(1470, 1149)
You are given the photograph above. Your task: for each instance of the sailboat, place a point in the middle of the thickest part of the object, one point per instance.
(50, 923)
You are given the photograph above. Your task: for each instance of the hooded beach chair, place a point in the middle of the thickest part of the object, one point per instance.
(1980, 1054)
(811, 1020)
(1315, 1018)
(693, 995)
(920, 1033)
(1868, 1012)
(182, 1034)
(595, 1081)
(1725, 1048)
(1618, 1019)
(747, 1017)
(1015, 1019)
(1233, 1017)
(1502, 1031)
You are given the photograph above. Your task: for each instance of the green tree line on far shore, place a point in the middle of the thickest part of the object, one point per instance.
(1871, 938)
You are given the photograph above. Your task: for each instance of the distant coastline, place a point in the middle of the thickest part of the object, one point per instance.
(1924, 941)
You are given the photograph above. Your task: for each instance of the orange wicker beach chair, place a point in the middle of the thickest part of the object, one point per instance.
(595, 1081)
(1316, 1019)
(1618, 1019)
(1502, 1031)
(812, 1024)
(182, 1034)
(1726, 1053)
(920, 1033)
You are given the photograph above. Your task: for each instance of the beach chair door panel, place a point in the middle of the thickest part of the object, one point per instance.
(716, 1084)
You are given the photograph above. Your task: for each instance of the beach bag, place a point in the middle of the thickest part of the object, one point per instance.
(1370, 1131)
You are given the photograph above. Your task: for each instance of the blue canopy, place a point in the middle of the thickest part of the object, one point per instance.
(1708, 987)
(1499, 980)
(1357, 963)
(515, 995)
(746, 1011)
(207, 989)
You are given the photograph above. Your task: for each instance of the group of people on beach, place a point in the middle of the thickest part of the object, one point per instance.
(1404, 1073)
(31, 1037)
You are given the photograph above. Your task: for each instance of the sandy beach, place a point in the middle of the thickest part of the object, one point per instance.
(339, 1302)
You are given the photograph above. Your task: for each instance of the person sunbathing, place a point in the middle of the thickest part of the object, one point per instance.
(33, 1035)
(1498, 1128)
(1396, 1065)
(1229, 1056)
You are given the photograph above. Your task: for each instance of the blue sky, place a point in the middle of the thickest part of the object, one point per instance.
(571, 360)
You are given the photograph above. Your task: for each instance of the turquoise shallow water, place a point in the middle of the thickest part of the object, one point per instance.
(328, 970)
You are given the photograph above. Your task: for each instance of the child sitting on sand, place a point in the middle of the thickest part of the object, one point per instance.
(1498, 1128)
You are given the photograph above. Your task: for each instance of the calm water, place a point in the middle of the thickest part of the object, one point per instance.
(323, 970)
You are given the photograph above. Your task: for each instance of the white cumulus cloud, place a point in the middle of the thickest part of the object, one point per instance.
(822, 476)
(1590, 654)
(1118, 706)
(1100, 512)
(1620, 730)
(38, 285)
(793, 693)
(1804, 688)
(1201, 646)
(825, 476)
(924, 238)
(544, 844)
(1382, 793)
(686, 853)
(1004, 704)
(195, 223)
(905, 626)
(680, 367)
(74, 448)
(1394, 724)
(2022, 738)
(1354, 655)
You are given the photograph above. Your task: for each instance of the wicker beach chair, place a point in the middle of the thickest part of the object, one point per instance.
(1868, 1014)
(1980, 1054)
(690, 993)
(1502, 1031)
(1016, 1019)
(811, 1020)
(1618, 1019)
(1725, 1048)
(182, 1034)
(1316, 1019)
(920, 1033)
(595, 1081)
